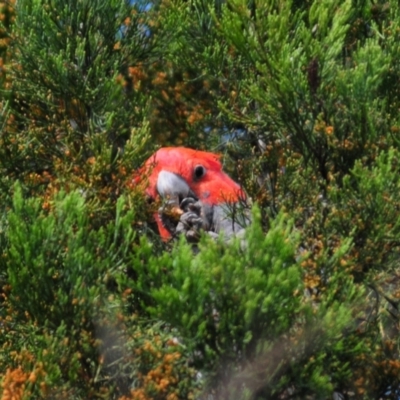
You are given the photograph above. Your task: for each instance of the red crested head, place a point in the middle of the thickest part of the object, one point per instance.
(202, 171)
(179, 172)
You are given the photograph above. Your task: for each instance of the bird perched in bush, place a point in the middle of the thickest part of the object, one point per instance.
(196, 193)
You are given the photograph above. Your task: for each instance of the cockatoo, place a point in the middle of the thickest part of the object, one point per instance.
(194, 181)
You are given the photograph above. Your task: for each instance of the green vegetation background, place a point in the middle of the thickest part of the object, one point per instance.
(302, 98)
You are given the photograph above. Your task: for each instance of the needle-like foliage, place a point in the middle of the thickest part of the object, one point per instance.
(301, 98)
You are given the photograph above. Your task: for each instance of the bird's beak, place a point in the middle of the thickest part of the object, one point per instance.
(173, 188)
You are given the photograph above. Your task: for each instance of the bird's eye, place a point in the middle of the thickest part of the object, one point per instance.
(199, 171)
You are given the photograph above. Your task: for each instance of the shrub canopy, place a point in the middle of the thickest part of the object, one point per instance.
(301, 98)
